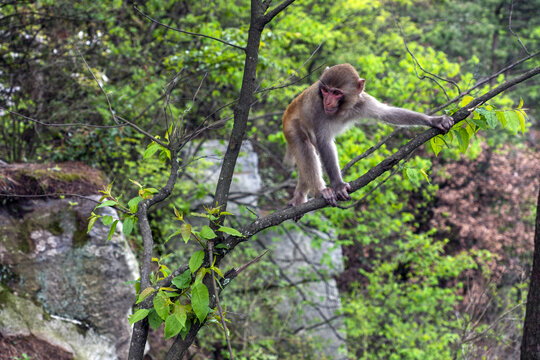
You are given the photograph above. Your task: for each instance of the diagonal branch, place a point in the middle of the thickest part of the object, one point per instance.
(272, 13)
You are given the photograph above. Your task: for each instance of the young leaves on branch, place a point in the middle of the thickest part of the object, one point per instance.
(484, 117)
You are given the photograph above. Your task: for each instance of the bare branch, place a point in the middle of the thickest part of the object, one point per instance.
(371, 150)
(188, 32)
(140, 329)
(272, 13)
(61, 125)
(144, 132)
(432, 76)
(216, 294)
(485, 81)
(512, 31)
(98, 83)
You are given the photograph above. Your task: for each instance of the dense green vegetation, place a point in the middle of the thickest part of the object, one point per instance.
(68, 66)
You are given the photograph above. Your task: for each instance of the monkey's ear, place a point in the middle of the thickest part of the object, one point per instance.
(360, 85)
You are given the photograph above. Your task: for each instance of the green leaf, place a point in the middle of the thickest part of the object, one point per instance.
(491, 118)
(217, 270)
(172, 326)
(172, 235)
(106, 203)
(161, 304)
(107, 220)
(196, 260)
(502, 119)
(92, 221)
(222, 246)
(437, 144)
(521, 120)
(463, 138)
(200, 301)
(466, 99)
(151, 150)
(154, 320)
(112, 230)
(136, 183)
(183, 280)
(164, 155)
(185, 230)
(413, 175)
(179, 311)
(138, 316)
(178, 215)
(144, 294)
(512, 120)
(230, 231)
(471, 129)
(185, 330)
(207, 232)
(424, 174)
(128, 225)
(133, 204)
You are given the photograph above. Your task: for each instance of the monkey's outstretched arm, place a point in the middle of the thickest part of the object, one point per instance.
(372, 108)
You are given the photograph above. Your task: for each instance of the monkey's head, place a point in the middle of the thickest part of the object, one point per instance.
(339, 88)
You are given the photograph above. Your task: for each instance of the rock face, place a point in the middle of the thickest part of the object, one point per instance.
(312, 309)
(61, 286)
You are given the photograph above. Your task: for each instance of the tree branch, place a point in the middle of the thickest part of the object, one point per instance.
(140, 329)
(272, 13)
(483, 82)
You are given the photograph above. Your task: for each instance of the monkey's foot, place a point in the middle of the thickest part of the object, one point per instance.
(329, 195)
(297, 217)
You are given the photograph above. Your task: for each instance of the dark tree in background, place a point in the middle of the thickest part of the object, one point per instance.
(530, 345)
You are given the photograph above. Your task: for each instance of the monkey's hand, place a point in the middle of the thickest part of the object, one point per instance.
(336, 192)
(342, 191)
(443, 122)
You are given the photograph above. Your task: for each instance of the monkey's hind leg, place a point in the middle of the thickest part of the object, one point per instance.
(309, 171)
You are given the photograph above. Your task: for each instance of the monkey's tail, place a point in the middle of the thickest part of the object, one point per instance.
(288, 159)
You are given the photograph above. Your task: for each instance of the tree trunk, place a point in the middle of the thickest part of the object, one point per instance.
(530, 344)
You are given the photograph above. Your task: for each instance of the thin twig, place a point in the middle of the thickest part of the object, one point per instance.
(60, 125)
(512, 31)
(483, 82)
(144, 132)
(188, 32)
(241, 268)
(432, 76)
(279, 86)
(492, 325)
(118, 117)
(220, 309)
(180, 120)
(99, 84)
(168, 91)
(370, 151)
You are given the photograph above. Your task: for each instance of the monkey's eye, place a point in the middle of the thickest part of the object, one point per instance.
(324, 89)
(336, 92)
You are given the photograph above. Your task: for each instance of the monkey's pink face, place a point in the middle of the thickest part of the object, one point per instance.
(332, 98)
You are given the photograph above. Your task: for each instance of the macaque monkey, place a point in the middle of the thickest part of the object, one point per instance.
(322, 111)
